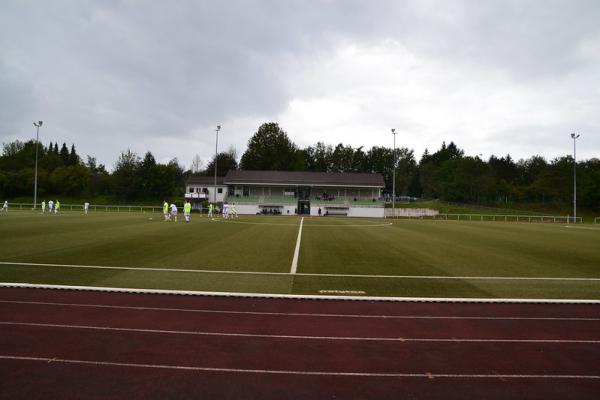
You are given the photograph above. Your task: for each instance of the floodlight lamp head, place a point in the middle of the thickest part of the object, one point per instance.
(574, 136)
(393, 130)
(218, 127)
(40, 123)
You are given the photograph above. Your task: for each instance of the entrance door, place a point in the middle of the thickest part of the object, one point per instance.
(303, 207)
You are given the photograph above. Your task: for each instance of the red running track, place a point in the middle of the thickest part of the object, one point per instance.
(75, 344)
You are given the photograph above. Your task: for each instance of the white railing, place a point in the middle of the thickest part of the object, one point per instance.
(403, 212)
(93, 207)
(503, 218)
(511, 218)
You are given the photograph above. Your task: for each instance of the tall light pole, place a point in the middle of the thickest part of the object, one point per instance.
(574, 136)
(394, 177)
(216, 156)
(37, 140)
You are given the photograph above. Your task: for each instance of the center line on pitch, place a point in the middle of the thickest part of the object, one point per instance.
(297, 250)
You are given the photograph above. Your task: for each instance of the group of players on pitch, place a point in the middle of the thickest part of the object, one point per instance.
(170, 211)
(53, 207)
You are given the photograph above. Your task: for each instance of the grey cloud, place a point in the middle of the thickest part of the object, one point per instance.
(113, 74)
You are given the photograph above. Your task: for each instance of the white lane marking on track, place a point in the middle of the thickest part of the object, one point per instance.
(291, 314)
(296, 337)
(427, 375)
(525, 278)
(294, 266)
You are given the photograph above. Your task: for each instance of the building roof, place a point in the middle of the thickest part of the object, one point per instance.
(204, 180)
(304, 178)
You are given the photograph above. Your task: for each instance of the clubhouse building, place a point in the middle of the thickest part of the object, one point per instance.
(292, 192)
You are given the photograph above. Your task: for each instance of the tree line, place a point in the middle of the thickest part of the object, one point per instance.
(447, 174)
(63, 172)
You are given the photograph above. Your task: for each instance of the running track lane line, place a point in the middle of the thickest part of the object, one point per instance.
(200, 310)
(297, 249)
(513, 278)
(296, 337)
(427, 375)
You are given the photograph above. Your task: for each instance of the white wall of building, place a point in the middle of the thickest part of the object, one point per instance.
(198, 192)
(367, 212)
(220, 196)
(289, 210)
(247, 209)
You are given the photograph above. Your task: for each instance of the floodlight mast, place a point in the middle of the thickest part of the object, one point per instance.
(216, 156)
(37, 140)
(394, 178)
(574, 136)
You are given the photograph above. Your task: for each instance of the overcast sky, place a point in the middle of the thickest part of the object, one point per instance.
(494, 76)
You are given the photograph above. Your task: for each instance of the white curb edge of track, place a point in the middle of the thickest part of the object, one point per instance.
(297, 297)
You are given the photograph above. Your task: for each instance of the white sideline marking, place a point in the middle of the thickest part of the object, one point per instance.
(489, 300)
(297, 249)
(318, 315)
(427, 375)
(582, 227)
(141, 268)
(525, 278)
(297, 337)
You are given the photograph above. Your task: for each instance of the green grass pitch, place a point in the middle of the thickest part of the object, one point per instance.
(402, 258)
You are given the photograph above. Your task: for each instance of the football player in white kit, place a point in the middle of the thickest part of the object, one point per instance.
(86, 206)
(50, 206)
(174, 212)
(225, 210)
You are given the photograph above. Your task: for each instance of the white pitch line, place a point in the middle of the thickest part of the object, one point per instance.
(427, 375)
(141, 268)
(126, 290)
(297, 337)
(297, 249)
(208, 271)
(291, 314)
(582, 227)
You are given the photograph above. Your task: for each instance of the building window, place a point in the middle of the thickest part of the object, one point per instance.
(220, 190)
(191, 189)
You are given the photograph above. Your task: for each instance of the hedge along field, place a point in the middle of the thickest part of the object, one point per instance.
(333, 252)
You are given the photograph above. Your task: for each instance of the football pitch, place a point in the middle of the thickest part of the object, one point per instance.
(333, 256)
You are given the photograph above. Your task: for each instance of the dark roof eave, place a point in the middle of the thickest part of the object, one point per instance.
(337, 184)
